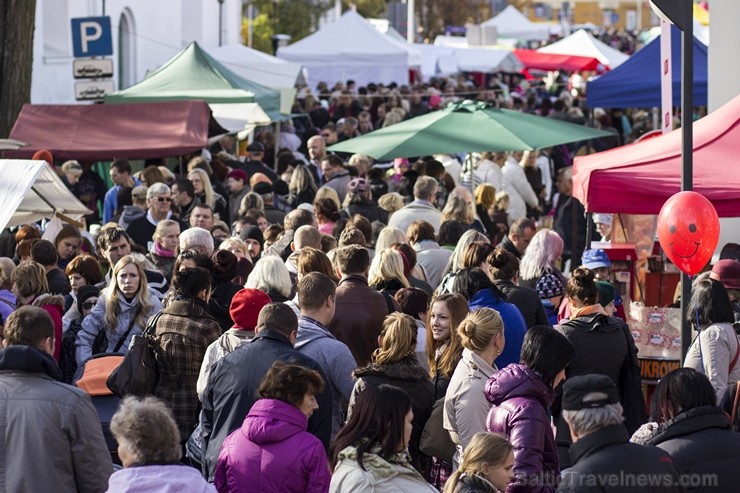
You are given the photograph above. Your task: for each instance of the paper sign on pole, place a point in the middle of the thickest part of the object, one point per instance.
(666, 78)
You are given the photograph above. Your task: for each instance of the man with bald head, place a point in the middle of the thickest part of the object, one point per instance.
(316, 153)
(305, 236)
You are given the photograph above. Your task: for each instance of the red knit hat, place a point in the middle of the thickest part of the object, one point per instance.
(245, 308)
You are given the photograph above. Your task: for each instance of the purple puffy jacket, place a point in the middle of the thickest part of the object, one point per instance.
(272, 453)
(520, 402)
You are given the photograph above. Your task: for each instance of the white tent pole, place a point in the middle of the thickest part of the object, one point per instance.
(410, 7)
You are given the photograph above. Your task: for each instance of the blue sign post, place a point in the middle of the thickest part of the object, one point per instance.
(91, 36)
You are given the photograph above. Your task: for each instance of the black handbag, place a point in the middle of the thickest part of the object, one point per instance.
(435, 440)
(138, 373)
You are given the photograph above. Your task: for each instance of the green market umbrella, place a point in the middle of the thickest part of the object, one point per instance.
(467, 127)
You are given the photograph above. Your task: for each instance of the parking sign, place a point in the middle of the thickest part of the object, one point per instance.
(91, 36)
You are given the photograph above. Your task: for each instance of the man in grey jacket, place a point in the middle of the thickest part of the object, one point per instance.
(51, 438)
(316, 297)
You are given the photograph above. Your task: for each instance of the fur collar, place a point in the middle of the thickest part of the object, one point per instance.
(48, 299)
(407, 368)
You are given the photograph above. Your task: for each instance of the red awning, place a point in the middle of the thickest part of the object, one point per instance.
(109, 131)
(639, 178)
(545, 61)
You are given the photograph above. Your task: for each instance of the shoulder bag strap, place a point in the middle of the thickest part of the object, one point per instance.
(737, 353)
(733, 417)
(125, 335)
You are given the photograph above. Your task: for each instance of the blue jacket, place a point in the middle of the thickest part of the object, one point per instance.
(514, 325)
(334, 357)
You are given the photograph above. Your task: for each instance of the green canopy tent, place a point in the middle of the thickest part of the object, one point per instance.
(467, 126)
(194, 74)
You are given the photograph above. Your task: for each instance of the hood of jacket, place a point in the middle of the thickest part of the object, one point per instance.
(310, 330)
(291, 263)
(49, 299)
(517, 381)
(173, 478)
(131, 213)
(691, 421)
(29, 359)
(379, 469)
(595, 322)
(408, 369)
(271, 420)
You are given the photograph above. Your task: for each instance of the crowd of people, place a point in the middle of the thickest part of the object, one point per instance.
(335, 325)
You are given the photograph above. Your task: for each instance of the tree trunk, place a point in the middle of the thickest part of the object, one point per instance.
(16, 59)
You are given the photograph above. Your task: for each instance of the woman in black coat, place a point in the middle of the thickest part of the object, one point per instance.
(694, 431)
(395, 363)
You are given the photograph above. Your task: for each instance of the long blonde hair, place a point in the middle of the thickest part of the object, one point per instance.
(458, 308)
(458, 209)
(112, 304)
(301, 180)
(455, 262)
(210, 199)
(386, 266)
(485, 448)
(479, 328)
(397, 340)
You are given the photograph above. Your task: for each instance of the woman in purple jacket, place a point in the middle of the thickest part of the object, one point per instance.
(521, 395)
(272, 451)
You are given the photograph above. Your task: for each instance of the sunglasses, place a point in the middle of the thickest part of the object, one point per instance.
(88, 305)
(164, 199)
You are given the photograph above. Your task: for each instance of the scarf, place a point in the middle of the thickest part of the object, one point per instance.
(587, 310)
(161, 252)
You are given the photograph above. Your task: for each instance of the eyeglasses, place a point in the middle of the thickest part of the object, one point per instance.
(88, 305)
(164, 199)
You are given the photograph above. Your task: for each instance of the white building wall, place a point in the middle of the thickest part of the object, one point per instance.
(161, 28)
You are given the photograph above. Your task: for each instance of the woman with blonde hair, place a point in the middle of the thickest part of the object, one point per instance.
(487, 466)
(207, 195)
(386, 272)
(330, 193)
(460, 207)
(166, 240)
(271, 277)
(395, 363)
(251, 201)
(388, 236)
(485, 198)
(302, 187)
(466, 406)
(122, 311)
(541, 257)
(390, 202)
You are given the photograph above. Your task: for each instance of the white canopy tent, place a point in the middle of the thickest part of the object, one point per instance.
(240, 117)
(351, 48)
(440, 61)
(31, 190)
(263, 69)
(581, 43)
(511, 23)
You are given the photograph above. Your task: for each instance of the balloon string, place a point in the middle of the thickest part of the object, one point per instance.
(698, 336)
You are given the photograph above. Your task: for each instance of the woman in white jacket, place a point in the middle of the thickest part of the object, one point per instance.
(466, 406)
(370, 453)
(715, 352)
(122, 311)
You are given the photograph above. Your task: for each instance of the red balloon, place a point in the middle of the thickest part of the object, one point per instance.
(688, 230)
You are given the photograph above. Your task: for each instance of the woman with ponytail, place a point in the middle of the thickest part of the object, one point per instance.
(603, 345)
(182, 334)
(487, 466)
(466, 407)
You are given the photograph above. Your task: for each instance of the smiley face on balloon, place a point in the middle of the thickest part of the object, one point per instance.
(688, 230)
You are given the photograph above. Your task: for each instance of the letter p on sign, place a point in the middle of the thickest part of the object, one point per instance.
(91, 36)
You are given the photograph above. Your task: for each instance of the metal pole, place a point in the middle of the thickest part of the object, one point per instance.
(589, 229)
(687, 149)
(220, 22)
(250, 20)
(410, 30)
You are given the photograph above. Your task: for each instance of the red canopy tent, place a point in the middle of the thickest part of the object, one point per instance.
(108, 131)
(639, 178)
(546, 61)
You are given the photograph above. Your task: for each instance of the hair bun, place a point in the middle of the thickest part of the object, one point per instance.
(583, 275)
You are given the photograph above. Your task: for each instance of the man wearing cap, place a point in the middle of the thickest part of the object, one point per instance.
(254, 164)
(234, 380)
(236, 182)
(336, 176)
(598, 261)
(603, 458)
(136, 210)
(159, 201)
(727, 272)
(360, 202)
(267, 192)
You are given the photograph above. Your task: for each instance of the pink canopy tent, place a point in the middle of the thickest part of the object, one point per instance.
(639, 178)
